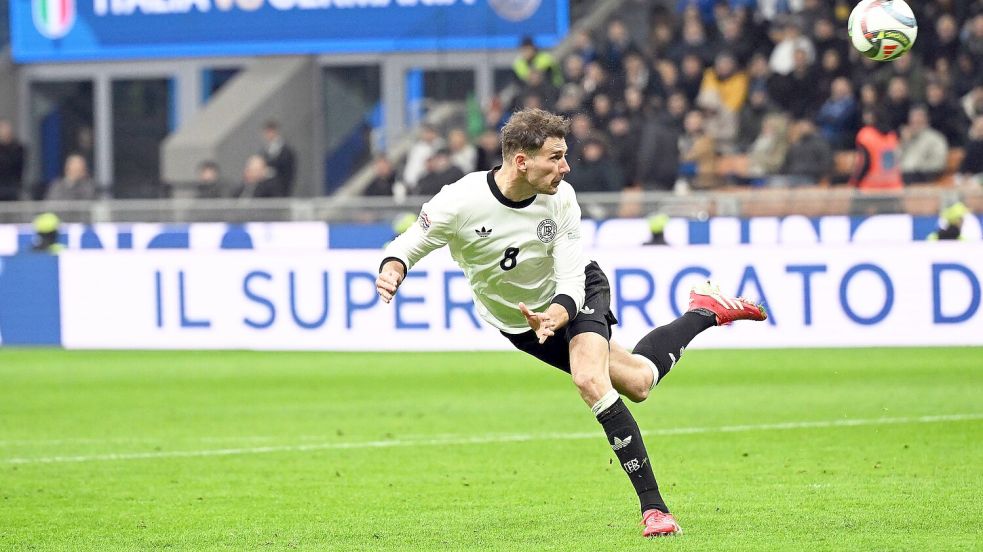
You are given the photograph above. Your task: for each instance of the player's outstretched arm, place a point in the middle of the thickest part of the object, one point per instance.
(389, 278)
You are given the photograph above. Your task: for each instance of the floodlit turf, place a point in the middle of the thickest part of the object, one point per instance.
(776, 450)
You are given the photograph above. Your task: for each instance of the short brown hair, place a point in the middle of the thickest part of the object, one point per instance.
(527, 131)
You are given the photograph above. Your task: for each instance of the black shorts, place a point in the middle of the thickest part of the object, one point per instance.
(596, 317)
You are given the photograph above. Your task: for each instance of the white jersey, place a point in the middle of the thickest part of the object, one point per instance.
(511, 252)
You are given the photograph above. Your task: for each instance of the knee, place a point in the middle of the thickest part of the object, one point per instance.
(637, 393)
(587, 381)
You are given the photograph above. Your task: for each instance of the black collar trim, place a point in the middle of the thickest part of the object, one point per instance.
(501, 197)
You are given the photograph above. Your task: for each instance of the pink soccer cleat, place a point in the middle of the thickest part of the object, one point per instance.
(707, 297)
(659, 524)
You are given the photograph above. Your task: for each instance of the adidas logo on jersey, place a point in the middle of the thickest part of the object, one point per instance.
(483, 233)
(588, 310)
(618, 444)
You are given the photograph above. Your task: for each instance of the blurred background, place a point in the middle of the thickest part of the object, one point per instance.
(324, 125)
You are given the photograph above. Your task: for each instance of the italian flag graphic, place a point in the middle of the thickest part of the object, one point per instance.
(54, 18)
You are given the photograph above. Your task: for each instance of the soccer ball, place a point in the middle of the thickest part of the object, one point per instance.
(882, 29)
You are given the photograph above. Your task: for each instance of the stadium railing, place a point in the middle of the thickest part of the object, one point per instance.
(809, 201)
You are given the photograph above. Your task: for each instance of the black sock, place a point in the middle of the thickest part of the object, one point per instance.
(665, 345)
(626, 440)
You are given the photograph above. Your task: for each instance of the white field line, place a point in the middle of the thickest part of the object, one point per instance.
(494, 438)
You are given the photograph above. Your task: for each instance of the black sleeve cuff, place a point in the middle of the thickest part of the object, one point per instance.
(566, 302)
(387, 259)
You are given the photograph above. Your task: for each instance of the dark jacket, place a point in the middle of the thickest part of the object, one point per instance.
(658, 155)
(11, 170)
(811, 157)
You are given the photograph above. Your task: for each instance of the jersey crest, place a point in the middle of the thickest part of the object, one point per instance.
(546, 230)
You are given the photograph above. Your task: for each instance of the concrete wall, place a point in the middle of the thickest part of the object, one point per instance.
(228, 129)
(8, 87)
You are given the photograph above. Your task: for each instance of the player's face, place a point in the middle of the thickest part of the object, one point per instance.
(547, 168)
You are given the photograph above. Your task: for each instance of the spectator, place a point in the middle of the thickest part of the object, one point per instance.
(838, 117)
(595, 171)
(694, 43)
(440, 172)
(208, 181)
(658, 150)
(571, 100)
(489, 151)
(946, 40)
(426, 144)
(973, 102)
(908, 68)
(617, 45)
(869, 97)
(691, 76)
(827, 39)
(751, 117)
(596, 80)
(767, 154)
(898, 103)
(530, 59)
(830, 68)
(973, 36)
(809, 159)
(573, 68)
(951, 223)
(537, 85)
(12, 154)
(734, 40)
(697, 152)
(280, 159)
(677, 107)
(965, 76)
(383, 177)
(797, 91)
(812, 12)
(580, 130)
(601, 110)
(662, 39)
(623, 150)
(46, 234)
(463, 154)
(945, 115)
(774, 9)
(788, 41)
(758, 72)
(704, 8)
(923, 149)
(638, 75)
(657, 229)
(75, 184)
(971, 169)
(634, 107)
(878, 151)
(256, 180)
(719, 122)
(727, 82)
(583, 46)
(668, 78)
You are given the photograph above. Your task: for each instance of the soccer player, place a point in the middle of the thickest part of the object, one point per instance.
(515, 231)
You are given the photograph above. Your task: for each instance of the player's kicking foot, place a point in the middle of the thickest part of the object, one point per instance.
(707, 297)
(659, 524)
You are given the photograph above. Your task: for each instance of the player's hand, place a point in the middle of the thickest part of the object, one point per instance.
(386, 284)
(540, 322)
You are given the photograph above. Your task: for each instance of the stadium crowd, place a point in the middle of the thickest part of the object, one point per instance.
(707, 93)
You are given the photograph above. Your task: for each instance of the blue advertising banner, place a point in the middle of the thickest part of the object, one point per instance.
(67, 30)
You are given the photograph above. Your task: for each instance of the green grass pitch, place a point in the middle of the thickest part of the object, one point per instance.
(866, 449)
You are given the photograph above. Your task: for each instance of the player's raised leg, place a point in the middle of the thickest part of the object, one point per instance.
(635, 373)
(589, 367)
